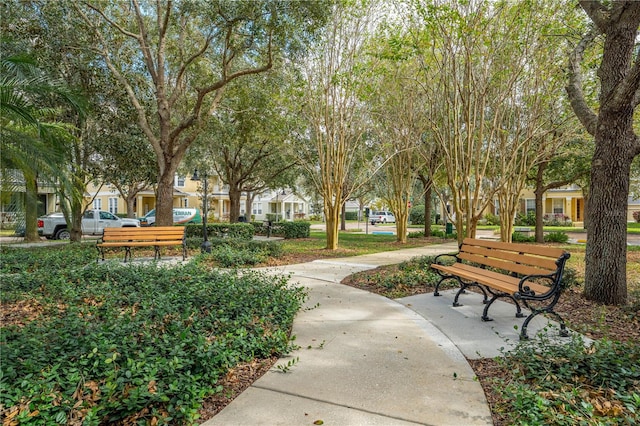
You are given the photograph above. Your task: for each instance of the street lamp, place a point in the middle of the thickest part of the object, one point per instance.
(206, 245)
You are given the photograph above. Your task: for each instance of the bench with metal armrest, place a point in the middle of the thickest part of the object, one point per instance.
(527, 274)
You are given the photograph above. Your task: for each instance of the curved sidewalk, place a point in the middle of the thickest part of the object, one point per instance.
(364, 359)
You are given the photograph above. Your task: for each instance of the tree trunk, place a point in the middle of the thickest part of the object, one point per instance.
(164, 202)
(234, 203)
(343, 217)
(131, 201)
(76, 226)
(249, 205)
(31, 208)
(539, 192)
(606, 254)
(332, 218)
(401, 226)
(428, 191)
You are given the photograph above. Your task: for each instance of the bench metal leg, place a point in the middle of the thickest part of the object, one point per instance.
(156, 254)
(548, 310)
(496, 296)
(463, 290)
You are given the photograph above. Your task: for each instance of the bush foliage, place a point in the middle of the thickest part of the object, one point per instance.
(105, 343)
(572, 383)
(244, 231)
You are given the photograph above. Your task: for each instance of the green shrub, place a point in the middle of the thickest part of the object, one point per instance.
(519, 237)
(288, 230)
(556, 237)
(442, 234)
(410, 275)
(636, 216)
(415, 234)
(232, 257)
(119, 344)
(416, 215)
(270, 248)
(492, 219)
(231, 230)
(570, 278)
(350, 215)
(528, 219)
(566, 384)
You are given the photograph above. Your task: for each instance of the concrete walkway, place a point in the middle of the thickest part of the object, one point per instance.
(367, 360)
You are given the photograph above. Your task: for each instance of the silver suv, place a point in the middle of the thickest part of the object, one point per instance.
(381, 217)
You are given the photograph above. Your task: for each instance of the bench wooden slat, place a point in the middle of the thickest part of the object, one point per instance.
(501, 264)
(492, 279)
(524, 248)
(156, 237)
(548, 263)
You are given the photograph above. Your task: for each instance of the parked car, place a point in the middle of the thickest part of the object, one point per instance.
(381, 217)
(54, 226)
(180, 217)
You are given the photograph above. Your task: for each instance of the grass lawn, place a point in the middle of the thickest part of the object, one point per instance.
(350, 244)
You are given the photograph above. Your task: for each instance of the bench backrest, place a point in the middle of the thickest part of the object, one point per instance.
(520, 259)
(151, 233)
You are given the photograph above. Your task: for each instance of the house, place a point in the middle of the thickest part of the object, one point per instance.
(188, 193)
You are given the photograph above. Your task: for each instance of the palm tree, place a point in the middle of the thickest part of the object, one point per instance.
(31, 141)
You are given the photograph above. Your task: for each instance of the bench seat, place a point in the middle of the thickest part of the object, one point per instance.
(524, 273)
(153, 236)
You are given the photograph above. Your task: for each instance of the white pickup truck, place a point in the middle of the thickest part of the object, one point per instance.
(53, 226)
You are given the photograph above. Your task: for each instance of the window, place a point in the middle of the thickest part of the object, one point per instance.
(179, 180)
(113, 205)
(97, 204)
(257, 208)
(107, 216)
(558, 205)
(530, 206)
(185, 203)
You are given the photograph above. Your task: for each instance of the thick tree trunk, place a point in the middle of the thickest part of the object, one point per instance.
(131, 209)
(234, 203)
(31, 209)
(76, 225)
(164, 202)
(606, 254)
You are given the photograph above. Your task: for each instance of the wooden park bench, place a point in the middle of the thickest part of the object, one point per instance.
(152, 236)
(525, 273)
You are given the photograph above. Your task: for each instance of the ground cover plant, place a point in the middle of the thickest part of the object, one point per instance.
(95, 343)
(543, 383)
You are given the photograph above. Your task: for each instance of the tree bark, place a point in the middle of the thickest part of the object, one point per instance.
(428, 191)
(332, 217)
(31, 208)
(616, 144)
(164, 204)
(606, 254)
(234, 203)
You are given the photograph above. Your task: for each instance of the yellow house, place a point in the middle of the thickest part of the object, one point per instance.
(567, 201)
(186, 193)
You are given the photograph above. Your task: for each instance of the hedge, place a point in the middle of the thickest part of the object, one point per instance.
(288, 230)
(243, 231)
